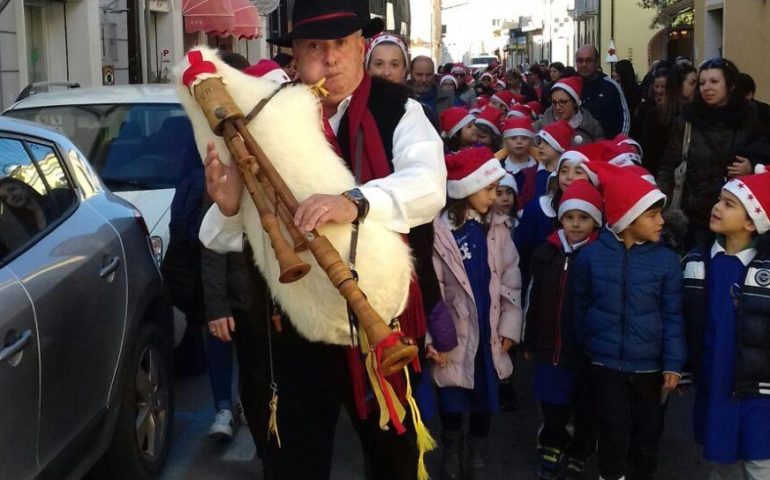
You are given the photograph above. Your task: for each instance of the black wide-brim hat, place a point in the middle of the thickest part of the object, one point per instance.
(329, 19)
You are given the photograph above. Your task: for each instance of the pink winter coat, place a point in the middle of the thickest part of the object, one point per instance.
(505, 317)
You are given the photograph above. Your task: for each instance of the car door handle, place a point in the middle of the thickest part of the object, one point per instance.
(11, 350)
(110, 267)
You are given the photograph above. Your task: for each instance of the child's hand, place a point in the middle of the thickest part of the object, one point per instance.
(508, 344)
(433, 354)
(670, 381)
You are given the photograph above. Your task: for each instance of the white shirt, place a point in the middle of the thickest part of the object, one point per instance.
(515, 167)
(412, 195)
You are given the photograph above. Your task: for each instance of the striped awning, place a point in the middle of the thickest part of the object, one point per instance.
(238, 18)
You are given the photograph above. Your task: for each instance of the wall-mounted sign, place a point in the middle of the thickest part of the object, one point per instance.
(108, 75)
(159, 6)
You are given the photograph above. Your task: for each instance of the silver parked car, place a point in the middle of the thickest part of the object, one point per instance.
(86, 330)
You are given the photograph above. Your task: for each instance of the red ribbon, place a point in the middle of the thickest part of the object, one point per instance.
(197, 67)
(390, 341)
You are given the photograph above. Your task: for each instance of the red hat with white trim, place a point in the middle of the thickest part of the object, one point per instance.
(626, 195)
(621, 154)
(754, 193)
(470, 170)
(269, 70)
(501, 83)
(453, 119)
(582, 155)
(642, 172)
(519, 110)
(480, 102)
(581, 195)
(490, 117)
(536, 107)
(518, 127)
(503, 96)
(519, 98)
(448, 78)
(626, 140)
(558, 135)
(573, 86)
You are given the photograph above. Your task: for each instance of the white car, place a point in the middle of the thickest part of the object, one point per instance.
(137, 137)
(481, 62)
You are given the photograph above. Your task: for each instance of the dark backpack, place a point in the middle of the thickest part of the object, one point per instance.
(181, 267)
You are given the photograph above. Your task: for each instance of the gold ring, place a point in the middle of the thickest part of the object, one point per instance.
(326, 209)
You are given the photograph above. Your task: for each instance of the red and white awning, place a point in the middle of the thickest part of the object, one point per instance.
(221, 17)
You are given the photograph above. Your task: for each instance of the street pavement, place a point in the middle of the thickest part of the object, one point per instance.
(512, 441)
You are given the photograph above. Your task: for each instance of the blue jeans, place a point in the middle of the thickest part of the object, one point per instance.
(220, 360)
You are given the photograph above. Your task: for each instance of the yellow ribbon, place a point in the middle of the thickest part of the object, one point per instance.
(318, 88)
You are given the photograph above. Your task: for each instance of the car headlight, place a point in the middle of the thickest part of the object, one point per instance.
(157, 248)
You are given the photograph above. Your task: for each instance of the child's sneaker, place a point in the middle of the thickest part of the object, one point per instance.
(222, 428)
(549, 464)
(575, 469)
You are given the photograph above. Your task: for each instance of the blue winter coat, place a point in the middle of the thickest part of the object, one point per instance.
(628, 306)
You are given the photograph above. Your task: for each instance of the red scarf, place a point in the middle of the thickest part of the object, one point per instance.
(374, 164)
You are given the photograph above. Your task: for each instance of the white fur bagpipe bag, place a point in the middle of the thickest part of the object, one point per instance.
(289, 130)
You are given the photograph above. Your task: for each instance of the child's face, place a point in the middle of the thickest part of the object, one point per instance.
(469, 135)
(499, 105)
(577, 225)
(547, 154)
(483, 137)
(570, 173)
(518, 146)
(484, 199)
(728, 216)
(504, 201)
(647, 227)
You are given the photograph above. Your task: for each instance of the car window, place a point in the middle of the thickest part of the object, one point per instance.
(131, 146)
(34, 193)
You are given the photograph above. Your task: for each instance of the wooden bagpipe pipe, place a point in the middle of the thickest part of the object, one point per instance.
(276, 205)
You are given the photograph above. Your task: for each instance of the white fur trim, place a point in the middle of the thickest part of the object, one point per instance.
(516, 113)
(641, 205)
(570, 91)
(510, 182)
(277, 76)
(518, 132)
(546, 206)
(482, 177)
(450, 78)
(462, 123)
(315, 307)
(626, 159)
(760, 168)
(583, 206)
(550, 140)
(634, 143)
(489, 124)
(499, 100)
(385, 38)
(749, 200)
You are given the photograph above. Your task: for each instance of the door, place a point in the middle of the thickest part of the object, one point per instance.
(75, 275)
(19, 379)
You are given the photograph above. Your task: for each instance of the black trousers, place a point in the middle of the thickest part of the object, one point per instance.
(627, 411)
(313, 386)
(557, 417)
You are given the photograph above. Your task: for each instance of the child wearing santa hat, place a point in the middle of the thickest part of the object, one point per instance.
(477, 267)
(457, 129)
(551, 141)
(507, 202)
(727, 300)
(488, 128)
(501, 99)
(559, 365)
(538, 219)
(517, 136)
(626, 293)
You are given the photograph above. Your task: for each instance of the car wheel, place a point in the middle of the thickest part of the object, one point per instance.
(142, 437)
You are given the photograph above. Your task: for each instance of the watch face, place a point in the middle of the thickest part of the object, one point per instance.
(356, 195)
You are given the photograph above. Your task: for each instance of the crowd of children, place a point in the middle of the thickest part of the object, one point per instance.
(551, 245)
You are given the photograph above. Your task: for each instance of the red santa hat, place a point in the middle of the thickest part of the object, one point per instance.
(581, 195)
(448, 78)
(269, 70)
(621, 154)
(480, 102)
(470, 170)
(536, 107)
(519, 98)
(453, 119)
(385, 37)
(573, 86)
(622, 139)
(518, 127)
(501, 83)
(558, 135)
(626, 195)
(582, 155)
(521, 111)
(487, 74)
(754, 193)
(504, 97)
(510, 182)
(458, 68)
(641, 171)
(490, 117)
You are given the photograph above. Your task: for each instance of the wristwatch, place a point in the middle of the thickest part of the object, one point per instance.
(361, 203)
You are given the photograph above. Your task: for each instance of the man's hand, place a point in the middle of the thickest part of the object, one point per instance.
(670, 381)
(508, 344)
(221, 328)
(436, 356)
(741, 166)
(321, 209)
(223, 182)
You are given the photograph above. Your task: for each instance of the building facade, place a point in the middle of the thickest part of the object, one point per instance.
(738, 30)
